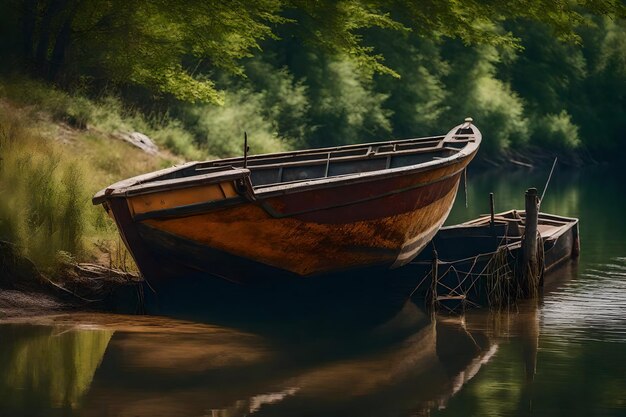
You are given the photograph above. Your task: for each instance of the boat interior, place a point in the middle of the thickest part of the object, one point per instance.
(549, 226)
(290, 167)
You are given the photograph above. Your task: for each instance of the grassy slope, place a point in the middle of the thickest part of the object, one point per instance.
(58, 148)
(49, 170)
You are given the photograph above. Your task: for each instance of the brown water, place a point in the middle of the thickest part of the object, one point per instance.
(563, 355)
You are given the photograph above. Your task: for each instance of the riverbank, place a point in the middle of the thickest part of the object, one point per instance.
(59, 149)
(26, 291)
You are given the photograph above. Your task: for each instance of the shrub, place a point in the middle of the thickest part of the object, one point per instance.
(497, 109)
(220, 128)
(345, 108)
(174, 137)
(556, 131)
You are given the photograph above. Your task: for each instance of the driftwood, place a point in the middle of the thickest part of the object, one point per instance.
(70, 284)
(93, 283)
(522, 164)
(95, 271)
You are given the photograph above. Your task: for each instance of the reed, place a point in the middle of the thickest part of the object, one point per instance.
(501, 284)
(119, 257)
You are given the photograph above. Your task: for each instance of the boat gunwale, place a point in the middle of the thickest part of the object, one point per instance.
(323, 154)
(326, 182)
(324, 160)
(548, 216)
(325, 150)
(139, 185)
(185, 182)
(566, 222)
(194, 208)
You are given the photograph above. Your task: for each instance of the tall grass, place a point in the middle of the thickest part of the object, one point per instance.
(49, 170)
(43, 195)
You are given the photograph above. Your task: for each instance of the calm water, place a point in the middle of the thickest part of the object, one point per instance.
(564, 355)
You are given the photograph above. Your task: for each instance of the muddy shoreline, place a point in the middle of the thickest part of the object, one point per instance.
(26, 291)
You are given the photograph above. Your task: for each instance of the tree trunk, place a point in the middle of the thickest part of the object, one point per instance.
(45, 28)
(61, 43)
(28, 17)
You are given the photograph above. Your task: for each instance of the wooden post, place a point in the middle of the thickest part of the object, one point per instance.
(245, 149)
(492, 210)
(435, 277)
(529, 245)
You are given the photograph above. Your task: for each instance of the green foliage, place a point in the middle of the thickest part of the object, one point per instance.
(171, 48)
(153, 44)
(106, 114)
(296, 73)
(171, 134)
(73, 109)
(48, 174)
(573, 86)
(109, 115)
(479, 93)
(221, 128)
(501, 111)
(418, 101)
(556, 131)
(611, 53)
(597, 105)
(284, 101)
(336, 28)
(547, 71)
(345, 108)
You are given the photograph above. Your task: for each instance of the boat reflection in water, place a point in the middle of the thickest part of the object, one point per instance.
(152, 366)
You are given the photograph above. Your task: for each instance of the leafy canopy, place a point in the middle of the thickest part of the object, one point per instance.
(172, 47)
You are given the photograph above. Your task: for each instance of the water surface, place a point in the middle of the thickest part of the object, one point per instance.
(562, 355)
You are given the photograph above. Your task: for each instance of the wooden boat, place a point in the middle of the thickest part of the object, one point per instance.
(295, 213)
(559, 234)
(466, 254)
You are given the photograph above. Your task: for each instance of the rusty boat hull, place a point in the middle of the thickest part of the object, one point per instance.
(284, 216)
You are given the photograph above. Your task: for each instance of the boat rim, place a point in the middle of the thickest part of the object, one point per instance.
(141, 184)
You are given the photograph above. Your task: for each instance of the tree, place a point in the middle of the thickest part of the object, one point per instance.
(172, 47)
(156, 44)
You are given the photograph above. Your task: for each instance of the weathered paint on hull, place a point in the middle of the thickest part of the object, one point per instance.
(297, 244)
(372, 205)
(309, 248)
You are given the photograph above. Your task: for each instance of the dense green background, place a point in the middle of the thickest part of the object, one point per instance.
(295, 73)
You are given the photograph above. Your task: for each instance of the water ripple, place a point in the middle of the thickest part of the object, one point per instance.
(591, 308)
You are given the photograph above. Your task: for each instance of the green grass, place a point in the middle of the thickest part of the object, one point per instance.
(105, 115)
(48, 174)
(202, 132)
(44, 204)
